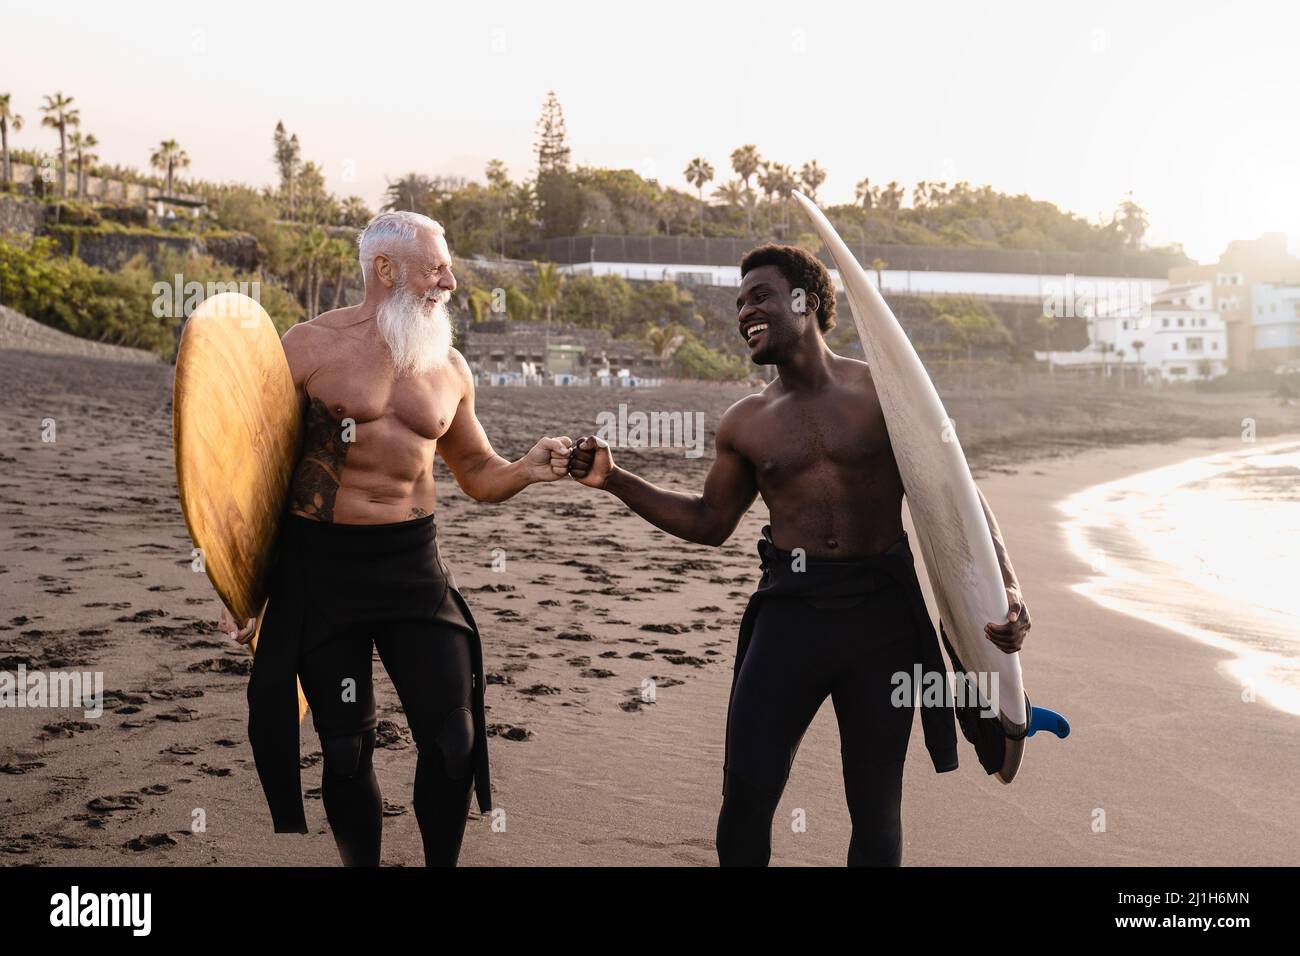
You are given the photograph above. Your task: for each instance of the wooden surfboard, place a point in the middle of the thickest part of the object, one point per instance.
(237, 434)
(946, 512)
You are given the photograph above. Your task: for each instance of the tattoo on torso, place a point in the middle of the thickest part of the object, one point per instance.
(316, 480)
(418, 512)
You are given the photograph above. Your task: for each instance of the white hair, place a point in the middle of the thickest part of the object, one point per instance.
(390, 231)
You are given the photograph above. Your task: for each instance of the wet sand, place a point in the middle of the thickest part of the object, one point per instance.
(95, 575)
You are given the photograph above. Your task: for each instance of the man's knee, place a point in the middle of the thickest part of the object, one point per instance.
(455, 741)
(744, 836)
(348, 756)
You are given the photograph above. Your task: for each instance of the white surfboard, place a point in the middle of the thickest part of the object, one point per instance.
(949, 520)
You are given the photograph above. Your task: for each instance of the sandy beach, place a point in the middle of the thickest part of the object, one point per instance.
(591, 602)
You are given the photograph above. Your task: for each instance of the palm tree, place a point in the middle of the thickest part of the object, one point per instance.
(731, 192)
(480, 304)
(355, 212)
(81, 149)
(1105, 348)
(310, 251)
(745, 163)
(59, 115)
(779, 181)
(169, 157)
(892, 199)
(665, 340)
(341, 255)
(8, 120)
(545, 285)
(862, 193)
(812, 176)
(879, 265)
(769, 180)
(698, 172)
(413, 192)
(1138, 346)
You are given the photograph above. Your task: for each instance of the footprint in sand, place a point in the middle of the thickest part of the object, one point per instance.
(67, 728)
(509, 732)
(110, 804)
(153, 841)
(389, 734)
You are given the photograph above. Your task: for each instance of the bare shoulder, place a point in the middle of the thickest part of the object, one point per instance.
(309, 345)
(456, 362)
(735, 418)
(302, 346)
(316, 335)
(855, 373)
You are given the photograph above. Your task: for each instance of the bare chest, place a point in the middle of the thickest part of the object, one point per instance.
(366, 393)
(795, 443)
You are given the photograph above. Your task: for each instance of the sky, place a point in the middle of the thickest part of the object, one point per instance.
(1189, 106)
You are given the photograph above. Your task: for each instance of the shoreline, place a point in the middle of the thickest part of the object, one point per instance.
(1251, 667)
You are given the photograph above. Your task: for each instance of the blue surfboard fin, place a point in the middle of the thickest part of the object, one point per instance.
(1040, 718)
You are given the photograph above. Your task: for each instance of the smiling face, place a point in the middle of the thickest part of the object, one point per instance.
(412, 314)
(766, 317)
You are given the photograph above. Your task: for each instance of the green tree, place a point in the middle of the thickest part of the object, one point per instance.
(413, 192)
(480, 304)
(879, 266)
(1138, 346)
(699, 172)
(355, 213)
(663, 339)
(310, 253)
(596, 302)
(1105, 348)
(81, 146)
(342, 256)
(745, 162)
(546, 284)
(288, 158)
(9, 120)
(864, 194)
(1132, 222)
(59, 115)
(552, 138)
(315, 204)
(168, 158)
(812, 176)
(500, 193)
(694, 359)
(656, 304)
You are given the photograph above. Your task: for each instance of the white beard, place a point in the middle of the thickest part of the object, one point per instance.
(417, 331)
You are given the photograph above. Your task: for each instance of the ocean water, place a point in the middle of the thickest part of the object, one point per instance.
(1209, 548)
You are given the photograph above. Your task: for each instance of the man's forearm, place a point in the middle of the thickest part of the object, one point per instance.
(498, 480)
(999, 546)
(684, 516)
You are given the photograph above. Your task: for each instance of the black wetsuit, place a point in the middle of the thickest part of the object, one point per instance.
(842, 629)
(336, 592)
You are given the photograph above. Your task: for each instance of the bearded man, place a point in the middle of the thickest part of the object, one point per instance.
(357, 562)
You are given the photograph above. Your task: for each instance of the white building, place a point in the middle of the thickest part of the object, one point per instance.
(1007, 286)
(1177, 336)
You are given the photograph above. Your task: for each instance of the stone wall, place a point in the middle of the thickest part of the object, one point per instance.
(111, 250)
(19, 332)
(19, 216)
(104, 190)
